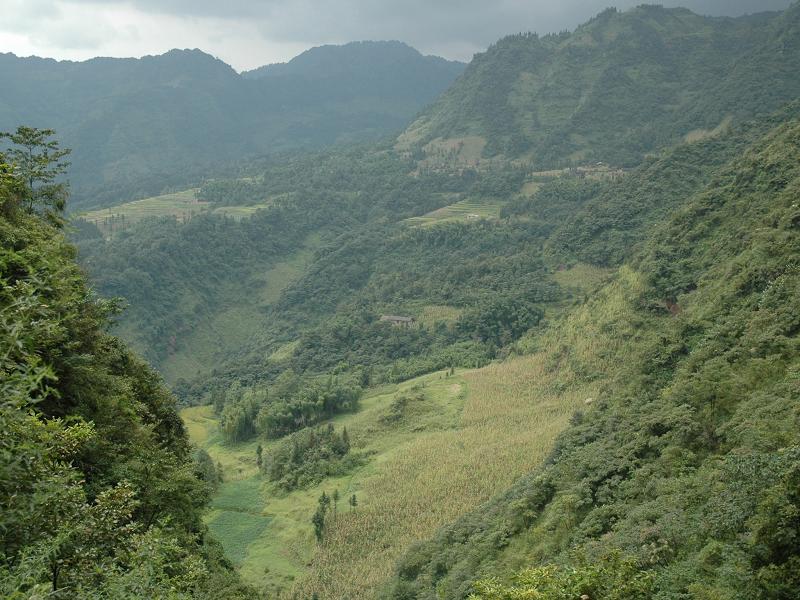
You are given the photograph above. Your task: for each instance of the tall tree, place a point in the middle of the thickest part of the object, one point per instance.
(39, 161)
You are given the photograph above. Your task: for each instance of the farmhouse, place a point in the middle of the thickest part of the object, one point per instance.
(399, 321)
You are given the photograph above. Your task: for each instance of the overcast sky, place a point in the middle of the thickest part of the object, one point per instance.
(250, 33)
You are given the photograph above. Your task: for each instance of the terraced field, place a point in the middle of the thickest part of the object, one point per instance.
(463, 211)
(181, 205)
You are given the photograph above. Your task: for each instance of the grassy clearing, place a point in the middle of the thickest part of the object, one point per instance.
(414, 134)
(212, 336)
(286, 272)
(432, 314)
(220, 333)
(469, 438)
(581, 278)
(698, 135)
(182, 205)
(282, 551)
(465, 210)
(240, 212)
(529, 188)
(466, 150)
(284, 352)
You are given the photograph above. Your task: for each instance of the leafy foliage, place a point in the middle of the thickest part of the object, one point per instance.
(612, 578)
(97, 488)
(308, 456)
(38, 163)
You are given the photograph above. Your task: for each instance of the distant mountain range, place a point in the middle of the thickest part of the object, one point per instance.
(137, 126)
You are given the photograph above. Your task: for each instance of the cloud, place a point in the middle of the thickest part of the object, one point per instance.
(247, 33)
(54, 25)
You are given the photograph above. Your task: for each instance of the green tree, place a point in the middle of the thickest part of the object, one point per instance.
(218, 399)
(335, 501)
(318, 520)
(38, 161)
(345, 441)
(10, 188)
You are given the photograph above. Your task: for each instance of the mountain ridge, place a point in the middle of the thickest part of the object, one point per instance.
(628, 82)
(140, 126)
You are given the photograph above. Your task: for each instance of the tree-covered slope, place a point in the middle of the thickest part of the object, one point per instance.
(100, 493)
(139, 126)
(618, 87)
(680, 478)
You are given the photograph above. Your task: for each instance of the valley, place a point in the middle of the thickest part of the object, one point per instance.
(392, 327)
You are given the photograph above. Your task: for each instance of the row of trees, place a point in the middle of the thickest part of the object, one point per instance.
(327, 511)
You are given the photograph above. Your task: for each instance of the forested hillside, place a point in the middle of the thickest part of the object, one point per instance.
(139, 127)
(680, 478)
(333, 247)
(101, 495)
(618, 88)
(544, 345)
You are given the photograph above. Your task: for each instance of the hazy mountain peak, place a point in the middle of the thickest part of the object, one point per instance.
(330, 59)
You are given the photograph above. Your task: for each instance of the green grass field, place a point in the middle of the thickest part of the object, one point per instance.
(463, 211)
(240, 212)
(467, 439)
(429, 315)
(278, 554)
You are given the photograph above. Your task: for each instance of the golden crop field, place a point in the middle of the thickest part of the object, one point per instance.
(467, 438)
(512, 413)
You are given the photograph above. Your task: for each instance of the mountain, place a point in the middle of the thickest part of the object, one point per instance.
(351, 62)
(678, 477)
(594, 389)
(617, 88)
(138, 126)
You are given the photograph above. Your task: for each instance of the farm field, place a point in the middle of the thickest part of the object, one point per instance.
(459, 441)
(465, 210)
(239, 212)
(182, 205)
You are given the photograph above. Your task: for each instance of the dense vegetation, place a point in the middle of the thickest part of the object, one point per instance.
(678, 475)
(688, 461)
(309, 456)
(366, 263)
(621, 86)
(289, 404)
(99, 494)
(139, 127)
